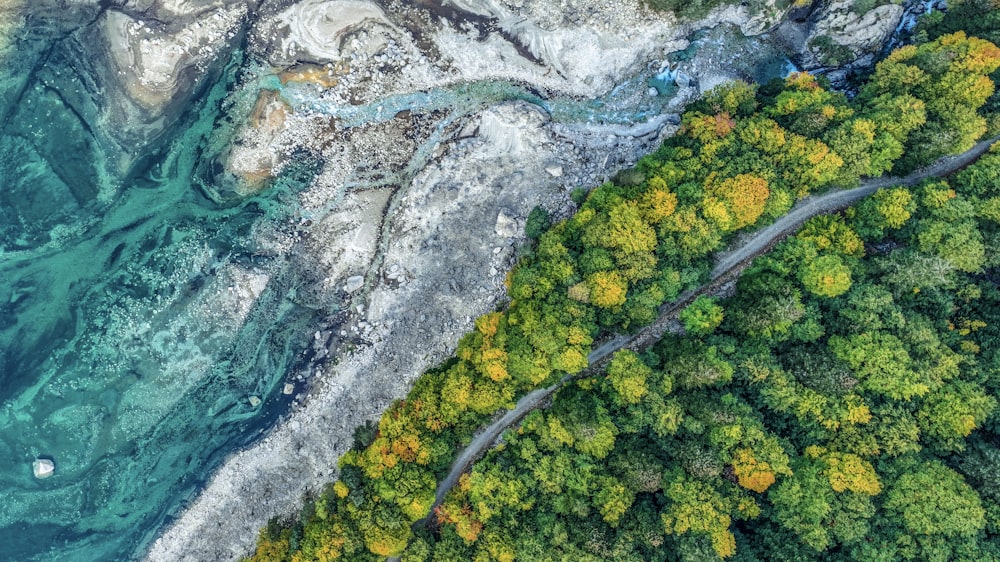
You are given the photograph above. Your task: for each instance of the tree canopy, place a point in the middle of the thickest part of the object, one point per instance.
(798, 416)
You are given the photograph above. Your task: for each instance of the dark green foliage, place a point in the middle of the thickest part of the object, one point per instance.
(538, 221)
(830, 52)
(688, 9)
(702, 316)
(364, 434)
(979, 18)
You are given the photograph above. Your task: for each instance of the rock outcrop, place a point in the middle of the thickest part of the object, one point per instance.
(840, 34)
(861, 33)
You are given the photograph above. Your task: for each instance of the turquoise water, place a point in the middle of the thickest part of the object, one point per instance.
(127, 349)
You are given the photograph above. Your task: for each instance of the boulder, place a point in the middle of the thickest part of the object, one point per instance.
(354, 283)
(43, 468)
(506, 226)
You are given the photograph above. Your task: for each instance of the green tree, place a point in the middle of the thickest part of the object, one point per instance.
(628, 376)
(702, 316)
(827, 276)
(881, 363)
(949, 414)
(820, 517)
(538, 222)
(936, 511)
(887, 209)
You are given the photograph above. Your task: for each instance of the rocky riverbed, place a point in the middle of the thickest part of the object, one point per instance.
(291, 209)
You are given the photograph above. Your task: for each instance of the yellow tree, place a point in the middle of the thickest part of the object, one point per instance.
(657, 202)
(829, 233)
(752, 473)
(847, 471)
(695, 506)
(628, 375)
(607, 289)
(743, 196)
(706, 128)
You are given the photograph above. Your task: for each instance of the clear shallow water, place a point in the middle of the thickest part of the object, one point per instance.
(137, 317)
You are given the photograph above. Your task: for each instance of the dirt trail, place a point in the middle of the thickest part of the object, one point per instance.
(729, 262)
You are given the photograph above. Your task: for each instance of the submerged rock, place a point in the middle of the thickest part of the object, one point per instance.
(252, 159)
(43, 468)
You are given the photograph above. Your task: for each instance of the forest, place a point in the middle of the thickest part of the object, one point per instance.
(840, 405)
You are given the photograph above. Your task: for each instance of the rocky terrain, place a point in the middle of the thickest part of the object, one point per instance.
(421, 133)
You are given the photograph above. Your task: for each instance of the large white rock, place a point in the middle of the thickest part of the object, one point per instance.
(316, 29)
(506, 226)
(43, 468)
(155, 63)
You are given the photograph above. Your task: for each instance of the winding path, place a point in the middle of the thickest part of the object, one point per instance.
(729, 263)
